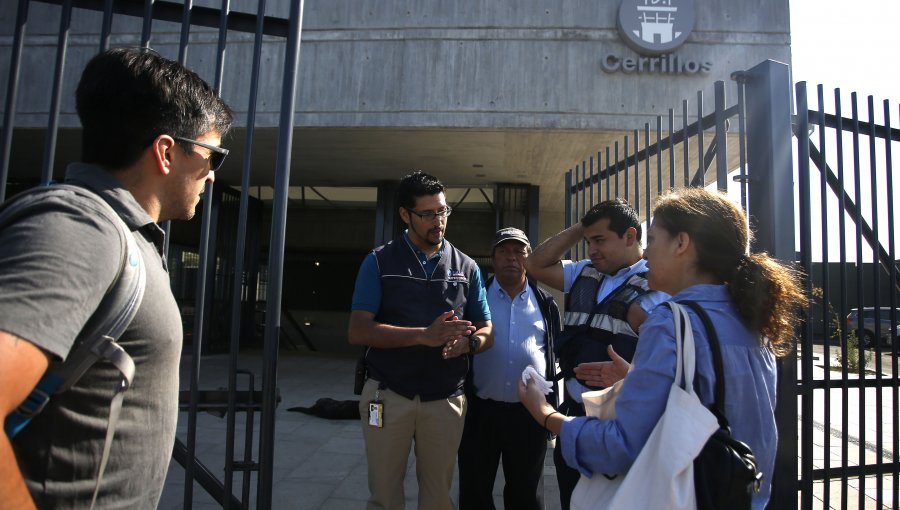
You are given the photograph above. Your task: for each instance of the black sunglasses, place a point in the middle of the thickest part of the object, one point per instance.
(216, 154)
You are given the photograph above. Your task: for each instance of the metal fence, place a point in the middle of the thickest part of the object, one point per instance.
(841, 451)
(255, 400)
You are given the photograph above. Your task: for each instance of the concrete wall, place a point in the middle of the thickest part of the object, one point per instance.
(488, 63)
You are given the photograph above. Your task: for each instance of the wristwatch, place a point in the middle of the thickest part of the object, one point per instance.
(473, 344)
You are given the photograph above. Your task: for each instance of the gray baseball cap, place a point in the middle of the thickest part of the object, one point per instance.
(505, 234)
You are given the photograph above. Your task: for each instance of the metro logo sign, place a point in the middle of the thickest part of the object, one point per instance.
(655, 27)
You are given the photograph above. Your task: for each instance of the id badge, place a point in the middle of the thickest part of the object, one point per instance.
(376, 413)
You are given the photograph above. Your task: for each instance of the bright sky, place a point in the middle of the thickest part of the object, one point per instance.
(849, 44)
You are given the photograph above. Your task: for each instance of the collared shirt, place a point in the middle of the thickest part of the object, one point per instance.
(595, 446)
(56, 263)
(367, 291)
(571, 270)
(647, 302)
(518, 342)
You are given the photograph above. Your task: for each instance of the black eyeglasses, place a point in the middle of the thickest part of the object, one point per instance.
(216, 154)
(430, 215)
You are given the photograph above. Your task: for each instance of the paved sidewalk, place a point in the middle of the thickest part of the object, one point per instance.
(319, 464)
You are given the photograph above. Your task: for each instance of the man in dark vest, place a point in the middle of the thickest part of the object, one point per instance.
(498, 427)
(607, 299)
(419, 306)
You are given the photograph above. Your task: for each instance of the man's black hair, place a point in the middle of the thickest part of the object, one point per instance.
(128, 96)
(620, 214)
(415, 185)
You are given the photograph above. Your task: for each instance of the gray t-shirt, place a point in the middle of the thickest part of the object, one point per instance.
(55, 266)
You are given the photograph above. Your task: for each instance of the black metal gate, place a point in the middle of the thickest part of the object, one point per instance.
(137, 23)
(841, 451)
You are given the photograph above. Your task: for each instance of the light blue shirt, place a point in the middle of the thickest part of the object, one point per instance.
(518, 342)
(647, 302)
(594, 446)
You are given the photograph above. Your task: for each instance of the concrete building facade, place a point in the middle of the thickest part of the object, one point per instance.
(488, 95)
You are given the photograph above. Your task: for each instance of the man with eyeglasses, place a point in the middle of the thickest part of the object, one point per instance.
(498, 427)
(151, 135)
(418, 306)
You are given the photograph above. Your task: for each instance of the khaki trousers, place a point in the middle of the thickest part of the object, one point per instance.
(436, 428)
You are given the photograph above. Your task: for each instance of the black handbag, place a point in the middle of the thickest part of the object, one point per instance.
(726, 475)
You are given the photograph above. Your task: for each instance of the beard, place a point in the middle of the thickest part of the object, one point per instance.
(435, 231)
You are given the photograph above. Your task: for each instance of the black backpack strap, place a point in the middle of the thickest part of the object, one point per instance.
(718, 407)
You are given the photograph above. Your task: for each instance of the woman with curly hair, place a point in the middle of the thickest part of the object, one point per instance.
(697, 249)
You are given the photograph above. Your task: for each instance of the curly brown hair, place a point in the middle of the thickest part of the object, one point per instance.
(765, 292)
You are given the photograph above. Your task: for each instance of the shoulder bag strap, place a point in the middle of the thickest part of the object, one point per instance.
(718, 407)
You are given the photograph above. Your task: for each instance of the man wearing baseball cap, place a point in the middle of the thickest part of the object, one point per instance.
(525, 320)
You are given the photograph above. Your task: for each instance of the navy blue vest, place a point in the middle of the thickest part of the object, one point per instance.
(411, 298)
(589, 327)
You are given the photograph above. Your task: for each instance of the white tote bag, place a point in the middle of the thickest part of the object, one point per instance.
(662, 476)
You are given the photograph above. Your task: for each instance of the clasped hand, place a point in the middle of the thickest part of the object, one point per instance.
(451, 332)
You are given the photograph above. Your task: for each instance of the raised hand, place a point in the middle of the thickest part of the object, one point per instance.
(603, 373)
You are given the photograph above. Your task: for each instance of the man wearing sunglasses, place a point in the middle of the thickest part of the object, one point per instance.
(151, 136)
(419, 304)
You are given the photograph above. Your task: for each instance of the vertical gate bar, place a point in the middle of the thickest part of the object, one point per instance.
(220, 46)
(240, 250)
(647, 170)
(742, 142)
(584, 203)
(721, 138)
(106, 25)
(895, 447)
(276, 255)
(62, 42)
(568, 207)
(581, 196)
(599, 177)
(806, 390)
(671, 137)
(637, 173)
(827, 332)
(857, 187)
(12, 92)
(615, 169)
(659, 155)
(185, 31)
(625, 157)
(876, 287)
(701, 167)
(576, 210)
(685, 143)
(167, 225)
(844, 286)
(608, 176)
(147, 24)
(200, 297)
(591, 180)
(769, 140)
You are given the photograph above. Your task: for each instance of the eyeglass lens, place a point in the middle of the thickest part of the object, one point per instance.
(430, 215)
